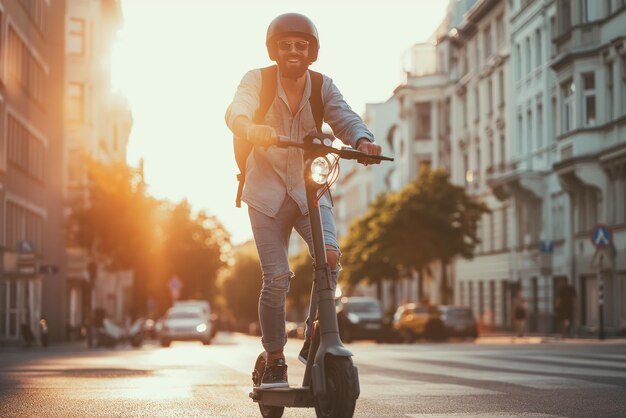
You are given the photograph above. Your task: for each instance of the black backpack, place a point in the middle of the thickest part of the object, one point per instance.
(268, 92)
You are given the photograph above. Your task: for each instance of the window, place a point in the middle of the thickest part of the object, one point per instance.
(75, 102)
(502, 151)
(589, 99)
(464, 110)
(465, 170)
(538, 59)
(552, 35)
(505, 228)
(491, 153)
(566, 16)
(528, 57)
(487, 41)
(609, 91)
(539, 125)
(25, 67)
(518, 63)
(500, 32)
(569, 112)
(490, 96)
(529, 129)
(520, 131)
(76, 37)
(478, 166)
(623, 58)
(24, 225)
(558, 216)
(501, 88)
(590, 10)
(477, 52)
(24, 149)
(423, 120)
(477, 100)
(588, 204)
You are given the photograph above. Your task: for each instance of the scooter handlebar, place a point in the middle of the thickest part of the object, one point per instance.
(323, 143)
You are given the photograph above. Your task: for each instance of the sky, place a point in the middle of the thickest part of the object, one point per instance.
(178, 62)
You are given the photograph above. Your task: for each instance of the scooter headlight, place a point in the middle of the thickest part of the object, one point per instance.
(320, 169)
(201, 328)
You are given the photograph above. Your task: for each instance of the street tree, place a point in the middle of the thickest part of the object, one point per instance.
(365, 251)
(194, 249)
(429, 220)
(240, 285)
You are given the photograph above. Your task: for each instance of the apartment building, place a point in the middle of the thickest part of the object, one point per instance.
(589, 64)
(480, 144)
(32, 276)
(98, 123)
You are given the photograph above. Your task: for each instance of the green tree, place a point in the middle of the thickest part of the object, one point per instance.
(124, 228)
(241, 285)
(365, 255)
(438, 221)
(193, 247)
(430, 219)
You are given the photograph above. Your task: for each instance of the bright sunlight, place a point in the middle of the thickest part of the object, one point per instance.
(179, 63)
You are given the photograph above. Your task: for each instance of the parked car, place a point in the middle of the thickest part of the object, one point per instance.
(185, 324)
(412, 321)
(360, 318)
(459, 322)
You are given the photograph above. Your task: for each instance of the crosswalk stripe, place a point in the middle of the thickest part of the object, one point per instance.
(535, 381)
(485, 415)
(375, 386)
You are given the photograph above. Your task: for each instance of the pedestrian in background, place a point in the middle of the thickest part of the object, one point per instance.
(565, 308)
(519, 313)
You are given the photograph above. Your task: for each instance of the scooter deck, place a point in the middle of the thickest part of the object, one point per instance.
(299, 397)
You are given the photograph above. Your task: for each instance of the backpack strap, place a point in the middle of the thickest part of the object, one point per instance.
(268, 92)
(317, 106)
(266, 97)
(242, 146)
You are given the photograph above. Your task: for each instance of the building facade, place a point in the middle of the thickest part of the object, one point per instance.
(32, 276)
(98, 123)
(589, 65)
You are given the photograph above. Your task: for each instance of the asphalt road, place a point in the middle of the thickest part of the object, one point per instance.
(492, 378)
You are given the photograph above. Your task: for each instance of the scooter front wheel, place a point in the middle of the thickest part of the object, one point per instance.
(341, 389)
(257, 376)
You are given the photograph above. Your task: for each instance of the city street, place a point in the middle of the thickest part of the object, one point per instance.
(497, 377)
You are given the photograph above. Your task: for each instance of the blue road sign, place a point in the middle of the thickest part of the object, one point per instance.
(546, 246)
(25, 247)
(601, 236)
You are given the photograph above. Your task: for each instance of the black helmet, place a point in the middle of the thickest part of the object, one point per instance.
(292, 24)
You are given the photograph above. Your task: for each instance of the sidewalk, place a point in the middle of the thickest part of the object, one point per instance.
(530, 338)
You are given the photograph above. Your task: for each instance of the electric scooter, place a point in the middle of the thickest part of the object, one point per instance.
(331, 382)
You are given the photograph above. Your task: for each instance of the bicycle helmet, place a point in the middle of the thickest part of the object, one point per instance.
(292, 24)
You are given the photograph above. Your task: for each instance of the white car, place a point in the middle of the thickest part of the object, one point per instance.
(185, 324)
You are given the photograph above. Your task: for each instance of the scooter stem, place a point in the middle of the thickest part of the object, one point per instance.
(329, 343)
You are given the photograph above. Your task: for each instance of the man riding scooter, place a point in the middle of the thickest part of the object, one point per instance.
(274, 183)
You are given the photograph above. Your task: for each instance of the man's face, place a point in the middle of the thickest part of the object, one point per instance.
(293, 56)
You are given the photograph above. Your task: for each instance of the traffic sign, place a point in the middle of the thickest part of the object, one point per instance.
(175, 285)
(25, 247)
(601, 236)
(546, 246)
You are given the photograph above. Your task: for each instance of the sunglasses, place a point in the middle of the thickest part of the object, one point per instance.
(286, 45)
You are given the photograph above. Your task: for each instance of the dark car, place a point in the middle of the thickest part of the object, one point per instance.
(360, 318)
(458, 321)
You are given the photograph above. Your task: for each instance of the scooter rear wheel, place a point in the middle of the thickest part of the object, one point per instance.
(266, 410)
(341, 389)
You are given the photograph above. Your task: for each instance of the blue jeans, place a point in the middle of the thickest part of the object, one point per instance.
(271, 236)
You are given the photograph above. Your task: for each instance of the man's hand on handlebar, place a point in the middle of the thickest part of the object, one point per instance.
(369, 148)
(262, 135)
